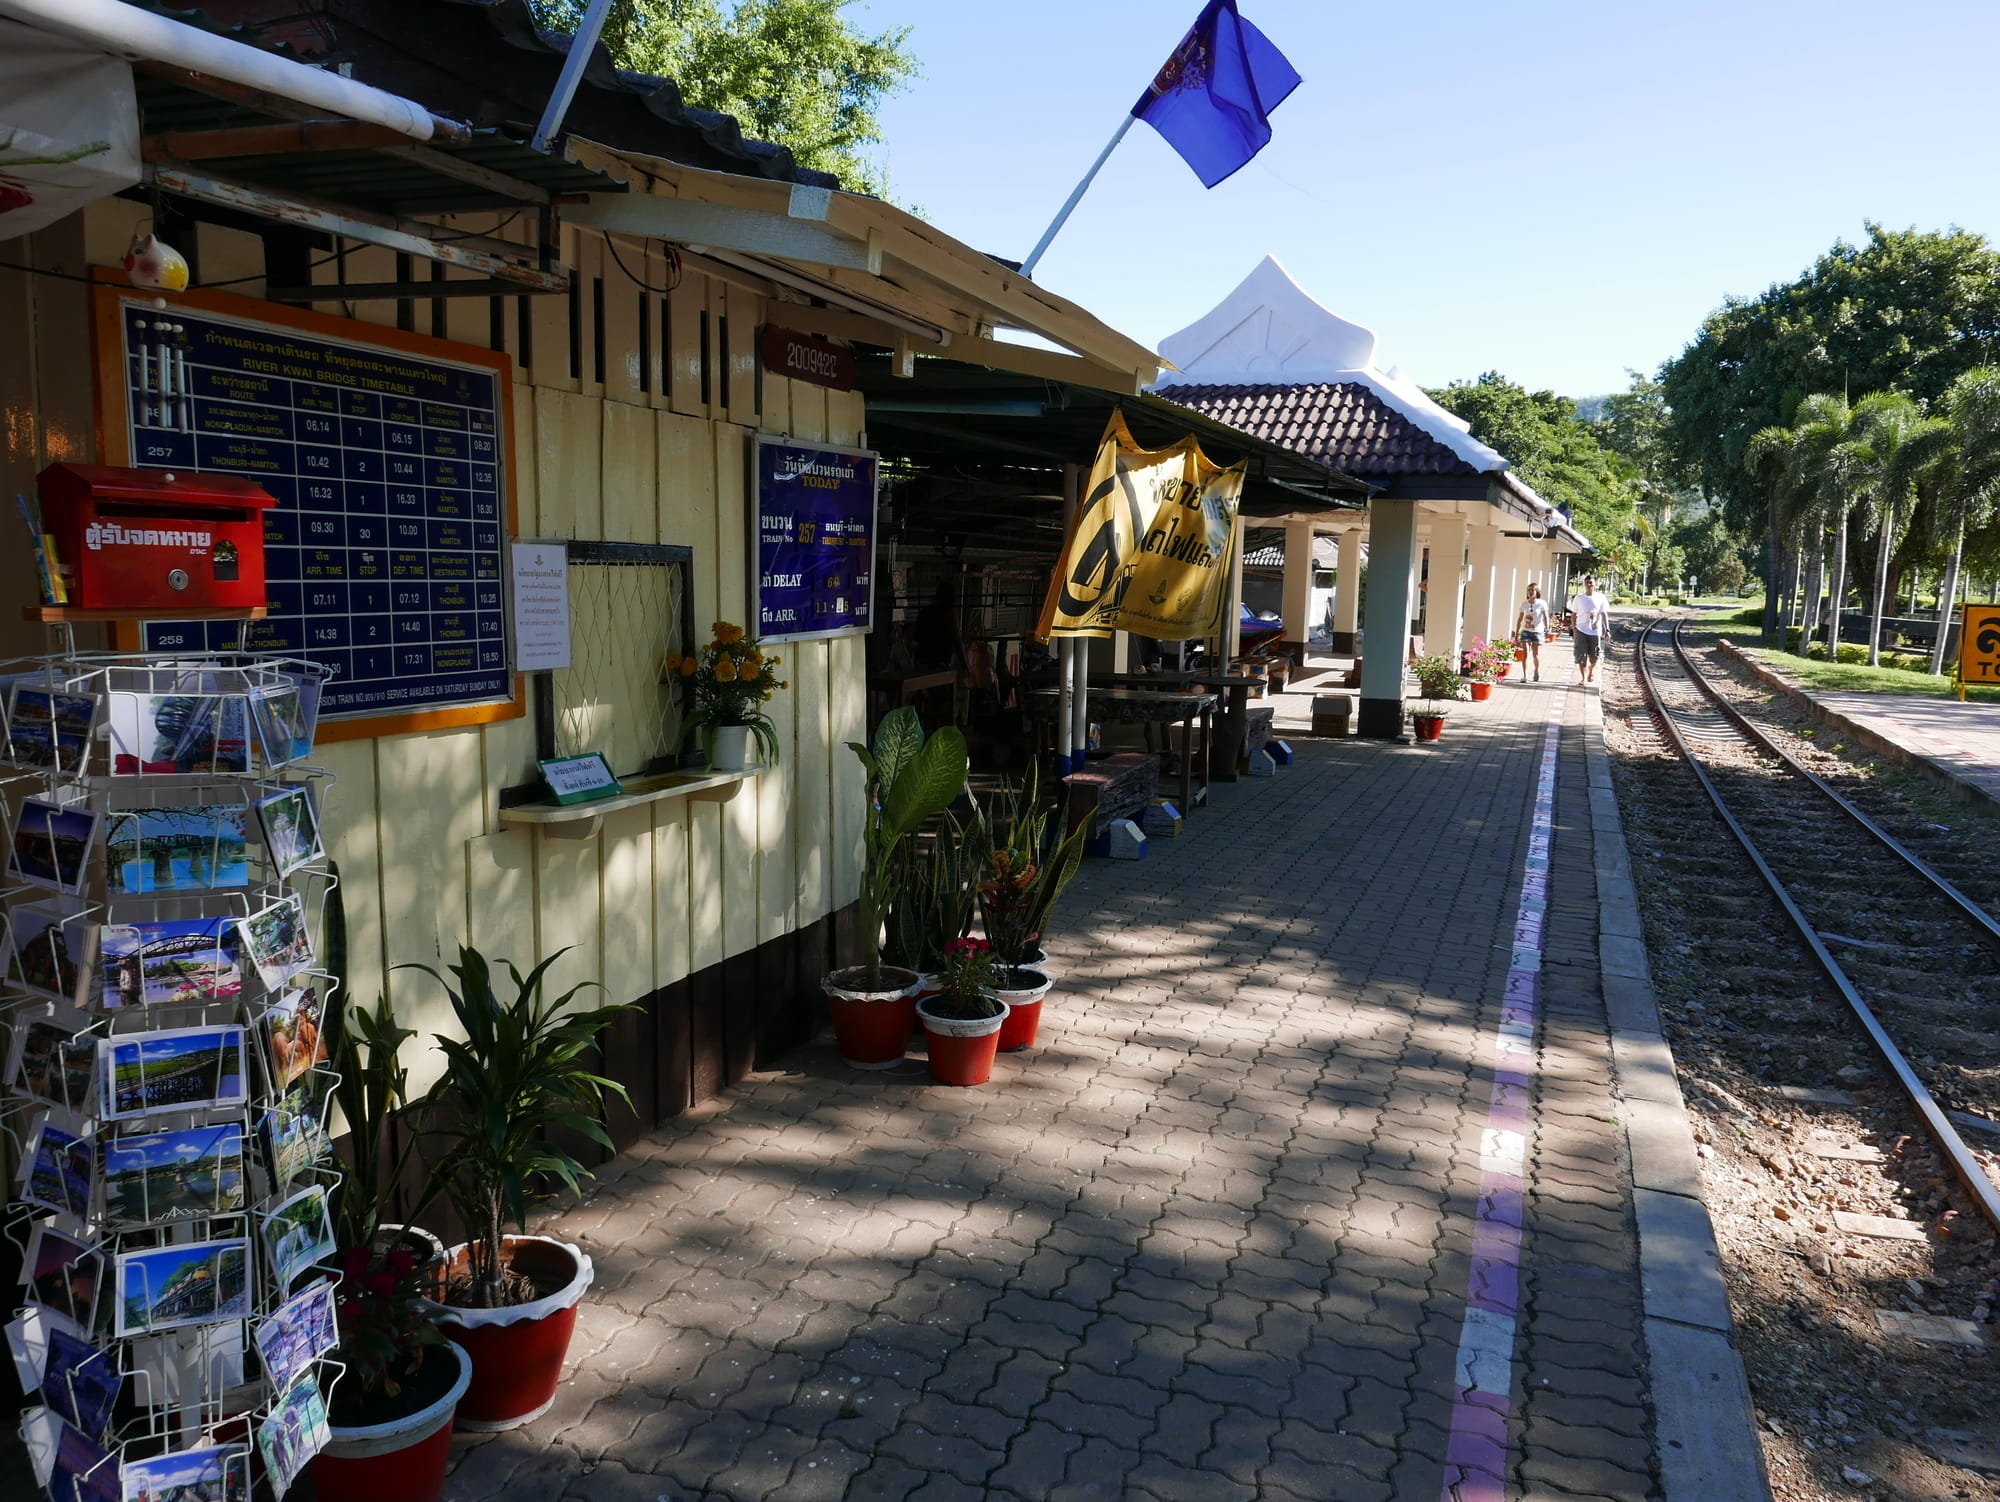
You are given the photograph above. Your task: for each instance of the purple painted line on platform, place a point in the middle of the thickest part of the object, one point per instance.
(1475, 1460)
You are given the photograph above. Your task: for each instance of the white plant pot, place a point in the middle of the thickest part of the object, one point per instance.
(729, 748)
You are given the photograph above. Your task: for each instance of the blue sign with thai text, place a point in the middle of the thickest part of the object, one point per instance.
(382, 558)
(814, 530)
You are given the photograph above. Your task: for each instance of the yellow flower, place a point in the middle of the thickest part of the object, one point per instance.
(688, 665)
(725, 670)
(753, 658)
(673, 662)
(725, 633)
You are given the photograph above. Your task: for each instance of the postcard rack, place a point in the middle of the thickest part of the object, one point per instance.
(164, 1080)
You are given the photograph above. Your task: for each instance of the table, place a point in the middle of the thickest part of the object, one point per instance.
(1137, 706)
(1234, 727)
(901, 688)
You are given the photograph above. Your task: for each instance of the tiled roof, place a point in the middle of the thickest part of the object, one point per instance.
(1345, 426)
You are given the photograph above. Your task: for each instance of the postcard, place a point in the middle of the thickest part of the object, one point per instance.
(84, 1470)
(50, 729)
(193, 847)
(276, 941)
(158, 964)
(293, 1432)
(80, 1382)
(54, 1058)
(298, 1333)
(63, 1274)
(282, 727)
(53, 844)
(217, 1474)
(177, 1069)
(294, 1140)
(51, 949)
(297, 1233)
(292, 1033)
(59, 1171)
(177, 733)
(28, 1337)
(291, 828)
(170, 1286)
(166, 1176)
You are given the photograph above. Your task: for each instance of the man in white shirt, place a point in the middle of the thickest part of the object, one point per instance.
(1590, 615)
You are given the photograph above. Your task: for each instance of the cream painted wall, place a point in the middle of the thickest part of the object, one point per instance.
(412, 819)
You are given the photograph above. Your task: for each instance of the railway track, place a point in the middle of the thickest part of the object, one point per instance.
(1909, 953)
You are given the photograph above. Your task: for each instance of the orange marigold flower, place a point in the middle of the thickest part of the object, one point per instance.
(673, 662)
(725, 633)
(688, 665)
(725, 670)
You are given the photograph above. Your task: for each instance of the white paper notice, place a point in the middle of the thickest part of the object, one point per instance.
(541, 606)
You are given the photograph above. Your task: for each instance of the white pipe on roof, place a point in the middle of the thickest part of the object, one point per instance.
(128, 32)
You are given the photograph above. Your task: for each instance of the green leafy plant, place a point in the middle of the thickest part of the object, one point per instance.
(521, 1068)
(1438, 679)
(936, 893)
(1026, 871)
(911, 778)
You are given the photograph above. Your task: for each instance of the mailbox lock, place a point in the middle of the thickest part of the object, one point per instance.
(177, 578)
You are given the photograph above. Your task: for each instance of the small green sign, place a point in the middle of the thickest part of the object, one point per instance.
(579, 779)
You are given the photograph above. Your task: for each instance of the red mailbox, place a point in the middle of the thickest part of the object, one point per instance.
(155, 539)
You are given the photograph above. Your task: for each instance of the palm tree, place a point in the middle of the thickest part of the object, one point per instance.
(1768, 456)
(1839, 469)
(1964, 480)
(1886, 424)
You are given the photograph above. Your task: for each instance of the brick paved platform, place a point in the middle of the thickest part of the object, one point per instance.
(1211, 1240)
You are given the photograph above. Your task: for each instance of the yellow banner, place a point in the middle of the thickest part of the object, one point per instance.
(1150, 548)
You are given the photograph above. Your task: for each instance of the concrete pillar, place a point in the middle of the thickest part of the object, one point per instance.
(1483, 614)
(1392, 558)
(1446, 634)
(1347, 589)
(1297, 609)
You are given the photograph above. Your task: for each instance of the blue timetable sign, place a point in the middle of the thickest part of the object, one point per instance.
(383, 557)
(813, 530)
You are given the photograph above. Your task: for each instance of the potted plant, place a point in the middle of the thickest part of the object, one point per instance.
(1026, 873)
(1438, 680)
(1486, 661)
(962, 1021)
(521, 1068)
(936, 896)
(731, 678)
(391, 1410)
(910, 778)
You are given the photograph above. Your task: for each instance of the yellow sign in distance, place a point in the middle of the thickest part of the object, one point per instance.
(1979, 645)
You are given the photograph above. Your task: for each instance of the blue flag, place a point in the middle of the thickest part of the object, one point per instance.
(1213, 99)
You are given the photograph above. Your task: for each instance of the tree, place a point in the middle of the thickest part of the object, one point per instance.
(1890, 424)
(1909, 309)
(1838, 470)
(790, 71)
(1559, 456)
(1956, 476)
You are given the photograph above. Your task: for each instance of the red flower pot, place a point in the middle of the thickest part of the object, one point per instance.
(1429, 726)
(1481, 691)
(401, 1460)
(872, 1019)
(961, 1053)
(517, 1352)
(1023, 995)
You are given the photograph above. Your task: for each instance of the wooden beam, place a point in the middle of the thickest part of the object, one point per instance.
(266, 140)
(747, 231)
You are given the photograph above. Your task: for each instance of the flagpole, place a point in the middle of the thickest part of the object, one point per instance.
(1062, 215)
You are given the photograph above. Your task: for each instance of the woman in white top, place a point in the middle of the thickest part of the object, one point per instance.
(1531, 628)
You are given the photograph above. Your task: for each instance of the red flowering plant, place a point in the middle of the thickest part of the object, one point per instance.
(380, 1306)
(379, 1309)
(967, 982)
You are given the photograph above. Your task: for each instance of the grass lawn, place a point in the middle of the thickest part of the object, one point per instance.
(1859, 678)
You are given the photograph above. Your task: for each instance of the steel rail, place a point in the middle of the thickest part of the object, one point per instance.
(1971, 909)
(1966, 1167)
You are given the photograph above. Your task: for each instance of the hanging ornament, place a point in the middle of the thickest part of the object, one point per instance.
(151, 262)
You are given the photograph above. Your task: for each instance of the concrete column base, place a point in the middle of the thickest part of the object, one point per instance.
(1343, 643)
(1381, 719)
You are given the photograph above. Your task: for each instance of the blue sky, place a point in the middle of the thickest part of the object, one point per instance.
(1555, 191)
